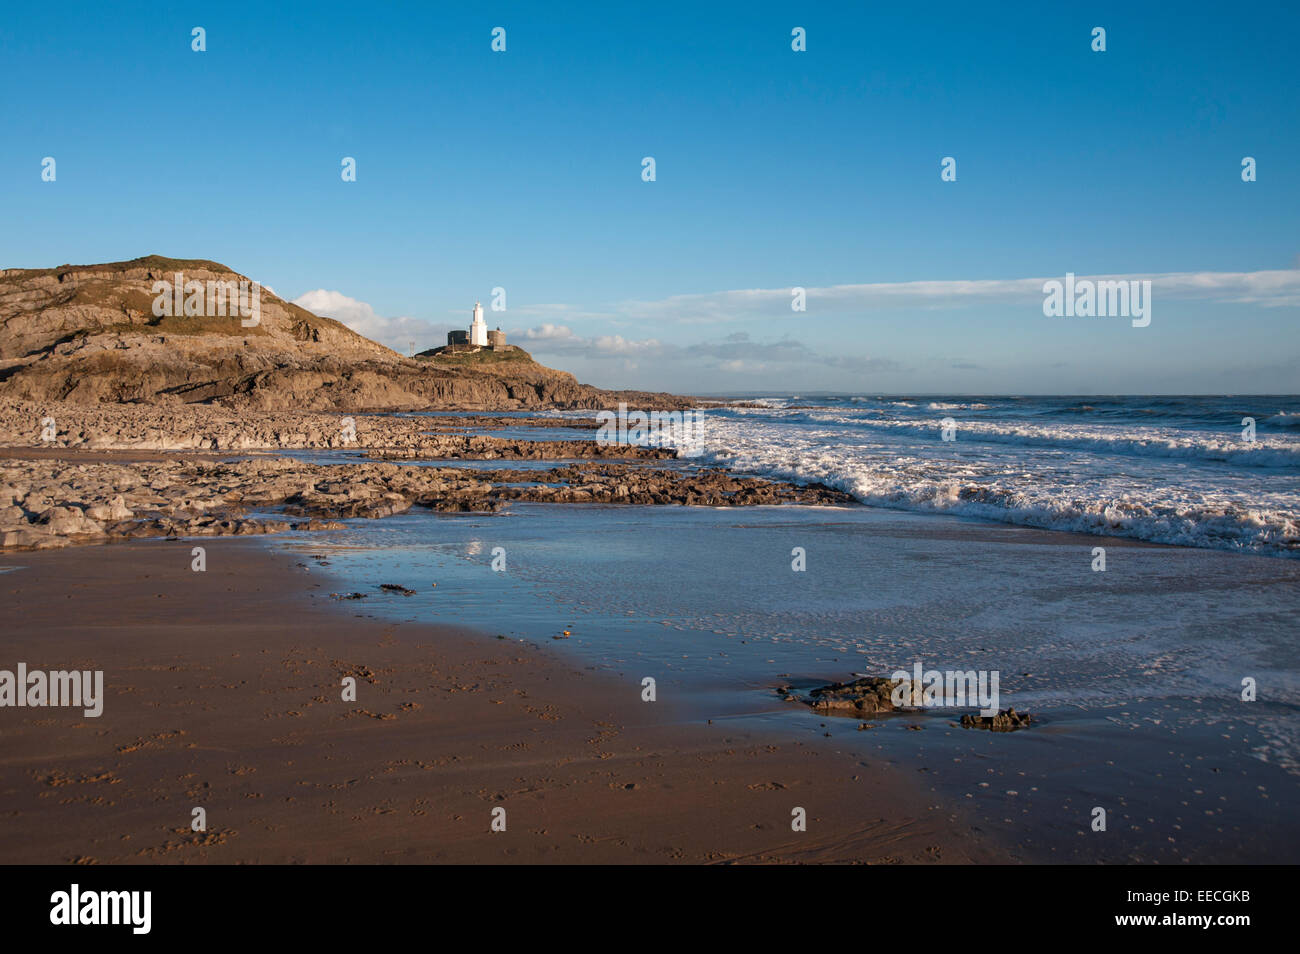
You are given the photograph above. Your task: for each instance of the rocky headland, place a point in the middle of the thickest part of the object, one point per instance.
(88, 334)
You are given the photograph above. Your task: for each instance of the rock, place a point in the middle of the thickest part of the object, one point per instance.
(32, 540)
(178, 495)
(317, 525)
(68, 521)
(114, 511)
(1008, 720)
(865, 696)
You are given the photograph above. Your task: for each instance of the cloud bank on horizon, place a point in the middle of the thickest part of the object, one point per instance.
(739, 360)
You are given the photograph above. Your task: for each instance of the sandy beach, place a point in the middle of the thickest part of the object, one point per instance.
(497, 587)
(223, 692)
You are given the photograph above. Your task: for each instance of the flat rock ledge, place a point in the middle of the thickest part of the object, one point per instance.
(51, 502)
(205, 428)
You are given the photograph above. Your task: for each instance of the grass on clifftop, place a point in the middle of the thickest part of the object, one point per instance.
(462, 359)
(146, 261)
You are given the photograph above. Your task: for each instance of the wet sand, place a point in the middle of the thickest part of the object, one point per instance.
(223, 691)
(1133, 676)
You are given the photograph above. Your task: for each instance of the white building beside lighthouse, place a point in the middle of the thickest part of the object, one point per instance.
(478, 336)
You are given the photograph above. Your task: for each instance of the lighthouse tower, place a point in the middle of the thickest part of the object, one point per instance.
(478, 330)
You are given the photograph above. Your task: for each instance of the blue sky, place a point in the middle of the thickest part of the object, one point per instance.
(775, 169)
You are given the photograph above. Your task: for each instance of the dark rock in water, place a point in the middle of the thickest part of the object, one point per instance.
(787, 694)
(866, 696)
(1008, 720)
(874, 696)
(396, 588)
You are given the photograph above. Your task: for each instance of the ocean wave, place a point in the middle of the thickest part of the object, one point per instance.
(1047, 478)
(1135, 441)
(920, 486)
(1266, 451)
(944, 406)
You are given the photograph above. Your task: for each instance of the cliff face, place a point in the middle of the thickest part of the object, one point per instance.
(88, 334)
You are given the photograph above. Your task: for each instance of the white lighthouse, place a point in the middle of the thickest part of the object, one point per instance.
(478, 330)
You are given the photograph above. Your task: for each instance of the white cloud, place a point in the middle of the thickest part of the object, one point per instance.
(357, 315)
(618, 345)
(1270, 288)
(560, 339)
(548, 332)
(396, 333)
(732, 354)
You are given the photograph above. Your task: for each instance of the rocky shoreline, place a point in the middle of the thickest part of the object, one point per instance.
(117, 473)
(62, 424)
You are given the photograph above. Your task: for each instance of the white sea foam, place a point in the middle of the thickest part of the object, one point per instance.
(1165, 485)
(1138, 441)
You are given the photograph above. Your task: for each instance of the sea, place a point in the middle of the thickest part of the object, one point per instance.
(1163, 679)
(1220, 472)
